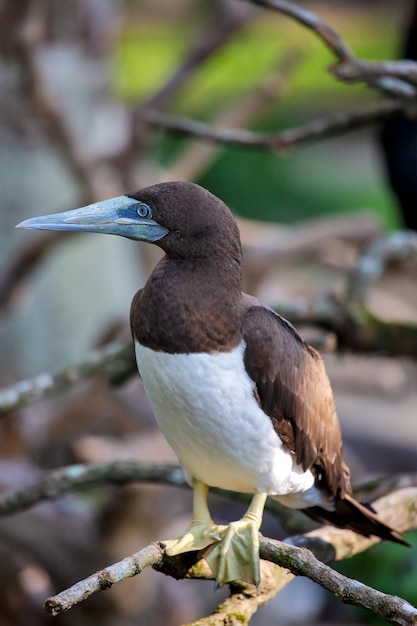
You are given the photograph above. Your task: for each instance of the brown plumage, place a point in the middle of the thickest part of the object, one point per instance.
(200, 278)
(244, 402)
(294, 390)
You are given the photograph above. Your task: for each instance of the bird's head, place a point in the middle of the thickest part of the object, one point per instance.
(182, 218)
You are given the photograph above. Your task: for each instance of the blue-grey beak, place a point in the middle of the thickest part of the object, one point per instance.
(118, 216)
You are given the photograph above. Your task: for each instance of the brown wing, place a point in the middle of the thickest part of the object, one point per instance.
(294, 390)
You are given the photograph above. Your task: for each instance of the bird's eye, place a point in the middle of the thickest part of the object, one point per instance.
(143, 210)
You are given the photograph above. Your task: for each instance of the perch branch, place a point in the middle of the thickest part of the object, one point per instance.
(289, 556)
(328, 543)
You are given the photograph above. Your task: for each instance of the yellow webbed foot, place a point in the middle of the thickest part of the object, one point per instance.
(232, 552)
(196, 537)
(236, 557)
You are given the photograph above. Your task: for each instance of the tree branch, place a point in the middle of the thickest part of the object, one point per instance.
(55, 483)
(300, 561)
(327, 543)
(116, 359)
(313, 22)
(207, 43)
(396, 77)
(104, 579)
(329, 126)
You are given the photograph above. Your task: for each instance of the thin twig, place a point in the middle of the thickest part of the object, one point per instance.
(208, 43)
(55, 483)
(404, 71)
(320, 27)
(396, 77)
(196, 157)
(333, 124)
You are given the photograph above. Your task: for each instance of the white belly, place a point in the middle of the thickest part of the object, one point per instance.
(205, 406)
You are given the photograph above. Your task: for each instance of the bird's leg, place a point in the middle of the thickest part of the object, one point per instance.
(202, 532)
(237, 556)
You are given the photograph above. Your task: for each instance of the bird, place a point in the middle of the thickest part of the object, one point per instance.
(242, 399)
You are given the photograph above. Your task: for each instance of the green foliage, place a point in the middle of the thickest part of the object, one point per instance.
(150, 50)
(322, 179)
(315, 181)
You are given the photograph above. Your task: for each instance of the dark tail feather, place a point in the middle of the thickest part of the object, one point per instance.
(361, 518)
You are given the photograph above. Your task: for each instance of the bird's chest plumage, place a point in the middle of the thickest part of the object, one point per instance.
(205, 406)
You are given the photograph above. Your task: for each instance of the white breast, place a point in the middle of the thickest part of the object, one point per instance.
(206, 408)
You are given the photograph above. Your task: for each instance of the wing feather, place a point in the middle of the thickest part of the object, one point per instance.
(295, 392)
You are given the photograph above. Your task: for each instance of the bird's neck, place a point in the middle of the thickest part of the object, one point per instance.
(189, 305)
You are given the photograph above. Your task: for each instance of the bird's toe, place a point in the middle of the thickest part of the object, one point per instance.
(236, 557)
(195, 537)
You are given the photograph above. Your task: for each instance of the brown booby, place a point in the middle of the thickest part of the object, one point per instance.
(244, 402)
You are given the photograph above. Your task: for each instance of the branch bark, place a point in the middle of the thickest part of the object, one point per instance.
(329, 126)
(55, 483)
(104, 579)
(320, 27)
(295, 556)
(396, 77)
(301, 562)
(327, 543)
(116, 359)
